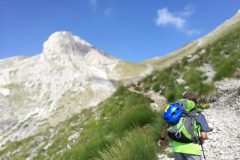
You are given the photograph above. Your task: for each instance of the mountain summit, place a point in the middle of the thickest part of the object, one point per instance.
(65, 43)
(64, 47)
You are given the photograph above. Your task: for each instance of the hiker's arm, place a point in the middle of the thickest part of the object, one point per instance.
(203, 136)
(164, 132)
(204, 127)
(162, 141)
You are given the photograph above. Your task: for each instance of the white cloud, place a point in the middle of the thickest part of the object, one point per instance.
(178, 19)
(165, 17)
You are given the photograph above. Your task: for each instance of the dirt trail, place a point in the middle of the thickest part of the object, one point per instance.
(224, 117)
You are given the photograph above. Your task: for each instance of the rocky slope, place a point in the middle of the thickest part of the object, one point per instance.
(224, 118)
(51, 86)
(69, 75)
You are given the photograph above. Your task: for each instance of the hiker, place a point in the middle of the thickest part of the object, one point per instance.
(184, 124)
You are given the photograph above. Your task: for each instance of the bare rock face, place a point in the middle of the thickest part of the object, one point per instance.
(45, 89)
(64, 48)
(64, 43)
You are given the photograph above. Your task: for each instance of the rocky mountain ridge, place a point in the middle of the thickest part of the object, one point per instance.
(69, 75)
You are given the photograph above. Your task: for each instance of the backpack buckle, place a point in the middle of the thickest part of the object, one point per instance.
(178, 134)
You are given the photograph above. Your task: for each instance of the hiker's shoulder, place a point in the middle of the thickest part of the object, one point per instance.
(200, 117)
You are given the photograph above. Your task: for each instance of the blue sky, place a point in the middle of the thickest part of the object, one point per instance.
(132, 30)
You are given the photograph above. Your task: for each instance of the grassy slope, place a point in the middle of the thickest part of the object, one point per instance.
(223, 55)
(168, 60)
(123, 120)
(130, 70)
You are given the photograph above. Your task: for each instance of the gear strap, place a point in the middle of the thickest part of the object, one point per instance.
(192, 114)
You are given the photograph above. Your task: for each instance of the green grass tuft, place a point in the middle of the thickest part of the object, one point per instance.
(137, 145)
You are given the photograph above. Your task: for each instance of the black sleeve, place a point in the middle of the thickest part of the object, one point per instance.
(200, 118)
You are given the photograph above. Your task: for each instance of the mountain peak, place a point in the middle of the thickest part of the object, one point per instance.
(65, 43)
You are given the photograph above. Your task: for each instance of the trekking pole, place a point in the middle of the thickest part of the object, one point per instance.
(201, 146)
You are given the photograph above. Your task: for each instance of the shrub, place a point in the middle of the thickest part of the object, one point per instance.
(88, 150)
(132, 118)
(170, 155)
(207, 106)
(170, 95)
(195, 82)
(204, 77)
(225, 69)
(184, 61)
(156, 87)
(192, 76)
(203, 106)
(136, 146)
(204, 88)
(157, 125)
(200, 106)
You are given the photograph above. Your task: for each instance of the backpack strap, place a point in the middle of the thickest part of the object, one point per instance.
(192, 114)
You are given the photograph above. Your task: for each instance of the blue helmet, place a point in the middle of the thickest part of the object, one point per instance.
(173, 113)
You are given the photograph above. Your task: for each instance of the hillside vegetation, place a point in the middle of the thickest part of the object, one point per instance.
(228, 27)
(124, 123)
(223, 57)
